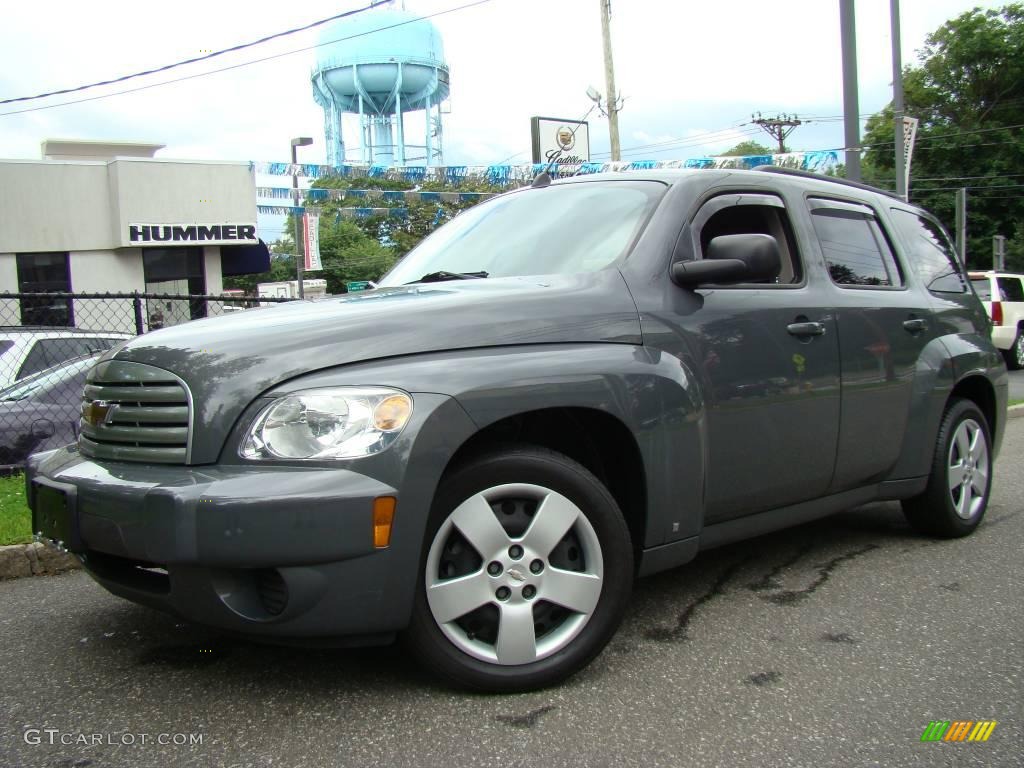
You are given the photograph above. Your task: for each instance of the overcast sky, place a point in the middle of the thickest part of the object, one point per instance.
(685, 69)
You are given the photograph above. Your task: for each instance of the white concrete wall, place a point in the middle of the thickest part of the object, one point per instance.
(108, 271)
(48, 205)
(53, 206)
(10, 309)
(180, 192)
(214, 279)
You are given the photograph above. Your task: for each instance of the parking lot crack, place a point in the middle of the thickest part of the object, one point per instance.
(770, 580)
(825, 571)
(679, 631)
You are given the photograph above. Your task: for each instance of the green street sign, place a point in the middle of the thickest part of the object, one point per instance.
(357, 285)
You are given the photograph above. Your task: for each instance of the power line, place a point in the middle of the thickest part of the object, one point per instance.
(690, 141)
(247, 63)
(185, 62)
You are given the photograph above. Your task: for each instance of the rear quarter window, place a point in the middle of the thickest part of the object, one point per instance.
(930, 252)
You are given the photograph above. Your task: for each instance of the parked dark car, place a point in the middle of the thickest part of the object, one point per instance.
(565, 387)
(42, 411)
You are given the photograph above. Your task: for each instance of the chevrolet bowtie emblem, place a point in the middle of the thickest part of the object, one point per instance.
(98, 412)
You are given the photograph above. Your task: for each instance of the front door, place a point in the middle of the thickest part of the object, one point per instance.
(769, 357)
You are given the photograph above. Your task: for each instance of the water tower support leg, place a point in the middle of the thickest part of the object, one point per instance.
(398, 117)
(430, 159)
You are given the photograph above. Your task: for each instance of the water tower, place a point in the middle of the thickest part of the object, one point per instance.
(380, 76)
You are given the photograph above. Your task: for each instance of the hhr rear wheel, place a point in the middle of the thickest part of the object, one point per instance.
(526, 573)
(956, 498)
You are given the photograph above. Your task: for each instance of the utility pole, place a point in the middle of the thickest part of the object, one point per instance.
(778, 127)
(897, 100)
(612, 97)
(851, 101)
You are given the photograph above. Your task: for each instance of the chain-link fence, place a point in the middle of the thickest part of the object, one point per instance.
(49, 341)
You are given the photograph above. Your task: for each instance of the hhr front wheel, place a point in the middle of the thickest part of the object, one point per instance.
(956, 497)
(526, 574)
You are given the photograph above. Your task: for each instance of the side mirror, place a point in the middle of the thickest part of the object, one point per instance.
(732, 259)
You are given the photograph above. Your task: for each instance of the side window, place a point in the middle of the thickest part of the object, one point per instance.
(754, 220)
(35, 361)
(855, 250)
(1010, 289)
(932, 254)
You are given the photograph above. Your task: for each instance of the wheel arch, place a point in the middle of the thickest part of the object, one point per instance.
(596, 439)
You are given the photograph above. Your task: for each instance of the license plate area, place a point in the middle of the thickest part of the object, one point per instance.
(55, 515)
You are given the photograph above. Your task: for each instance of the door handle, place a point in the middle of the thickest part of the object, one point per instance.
(806, 329)
(915, 325)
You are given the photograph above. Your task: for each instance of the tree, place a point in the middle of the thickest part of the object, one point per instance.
(968, 92)
(747, 148)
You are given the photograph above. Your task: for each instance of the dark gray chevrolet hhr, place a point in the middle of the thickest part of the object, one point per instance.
(565, 387)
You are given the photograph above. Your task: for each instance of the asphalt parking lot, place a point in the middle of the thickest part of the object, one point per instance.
(1016, 385)
(835, 643)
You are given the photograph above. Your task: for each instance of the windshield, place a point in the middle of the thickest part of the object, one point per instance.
(41, 383)
(561, 229)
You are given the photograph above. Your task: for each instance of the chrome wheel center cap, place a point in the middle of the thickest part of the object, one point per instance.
(517, 574)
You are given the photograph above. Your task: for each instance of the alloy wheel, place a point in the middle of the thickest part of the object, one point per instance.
(968, 468)
(514, 573)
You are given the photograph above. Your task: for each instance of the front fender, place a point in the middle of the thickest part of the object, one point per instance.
(653, 394)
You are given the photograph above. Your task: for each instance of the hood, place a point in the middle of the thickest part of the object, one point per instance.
(229, 361)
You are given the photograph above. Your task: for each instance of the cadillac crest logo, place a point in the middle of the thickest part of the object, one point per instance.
(566, 138)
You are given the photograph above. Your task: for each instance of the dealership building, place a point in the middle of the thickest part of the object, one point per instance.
(99, 217)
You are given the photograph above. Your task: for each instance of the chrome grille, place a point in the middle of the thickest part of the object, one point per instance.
(135, 412)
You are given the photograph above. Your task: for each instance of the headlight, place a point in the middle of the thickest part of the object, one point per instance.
(329, 423)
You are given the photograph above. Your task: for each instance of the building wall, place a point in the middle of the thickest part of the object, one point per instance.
(108, 271)
(10, 310)
(87, 206)
(51, 206)
(171, 192)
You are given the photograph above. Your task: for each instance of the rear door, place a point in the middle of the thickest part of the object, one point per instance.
(883, 327)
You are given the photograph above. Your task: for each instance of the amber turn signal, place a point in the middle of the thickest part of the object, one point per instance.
(383, 516)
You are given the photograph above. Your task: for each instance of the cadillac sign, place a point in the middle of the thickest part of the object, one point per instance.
(566, 142)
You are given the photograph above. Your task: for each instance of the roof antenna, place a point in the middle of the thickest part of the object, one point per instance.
(543, 179)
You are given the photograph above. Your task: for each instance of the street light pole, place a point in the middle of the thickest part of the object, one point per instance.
(301, 141)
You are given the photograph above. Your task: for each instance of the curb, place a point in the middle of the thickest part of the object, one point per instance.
(1015, 411)
(34, 559)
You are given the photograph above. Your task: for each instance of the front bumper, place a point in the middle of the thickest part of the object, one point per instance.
(259, 549)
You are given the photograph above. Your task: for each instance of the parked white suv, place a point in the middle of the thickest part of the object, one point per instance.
(24, 350)
(1003, 296)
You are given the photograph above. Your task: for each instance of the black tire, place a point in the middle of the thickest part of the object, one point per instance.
(584, 634)
(1015, 354)
(934, 512)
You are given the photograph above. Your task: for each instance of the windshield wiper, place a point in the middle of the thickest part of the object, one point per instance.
(437, 277)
